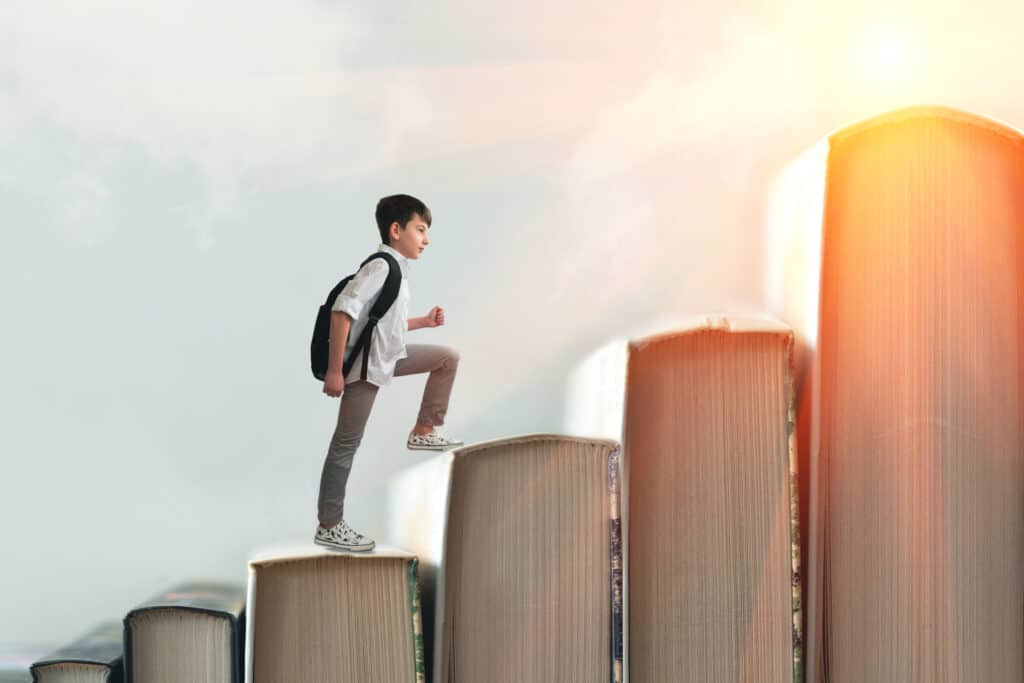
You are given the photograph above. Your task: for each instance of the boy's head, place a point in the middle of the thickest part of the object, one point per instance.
(403, 222)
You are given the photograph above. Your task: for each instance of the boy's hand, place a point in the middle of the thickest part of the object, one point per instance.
(435, 318)
(334, 383)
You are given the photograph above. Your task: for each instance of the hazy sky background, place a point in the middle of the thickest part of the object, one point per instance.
(181, 183)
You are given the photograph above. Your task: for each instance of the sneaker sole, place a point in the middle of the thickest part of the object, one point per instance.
(433, 448)
(347, 548)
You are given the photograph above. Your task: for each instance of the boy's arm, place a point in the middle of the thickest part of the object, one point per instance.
(340, 325)
(334, 380)
(435, 318)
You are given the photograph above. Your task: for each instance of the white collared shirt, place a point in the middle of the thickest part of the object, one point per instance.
(387, 344)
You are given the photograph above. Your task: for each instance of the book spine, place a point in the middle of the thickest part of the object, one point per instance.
(129, 665)
(615, 548)
(794, 518)
(249, 629)
(237, 647)
(116, 673)
(417, 622)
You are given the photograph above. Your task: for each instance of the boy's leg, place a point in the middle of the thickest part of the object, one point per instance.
(441, 362)
(356, 402)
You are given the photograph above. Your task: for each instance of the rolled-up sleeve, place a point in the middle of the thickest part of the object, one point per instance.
(362, 289)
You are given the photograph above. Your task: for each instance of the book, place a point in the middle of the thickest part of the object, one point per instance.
(710, 502)
(529, 586)
(96, 657)
(895, 250)
(320, 616)
(191, 632)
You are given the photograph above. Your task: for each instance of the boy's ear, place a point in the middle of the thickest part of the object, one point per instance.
(393, 230)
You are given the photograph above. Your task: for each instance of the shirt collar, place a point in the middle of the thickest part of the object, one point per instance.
(403, 262)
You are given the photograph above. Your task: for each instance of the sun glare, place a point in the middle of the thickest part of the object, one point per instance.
(888, 53)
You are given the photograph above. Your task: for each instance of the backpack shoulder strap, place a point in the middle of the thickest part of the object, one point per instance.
(392, 284)
(388, 294)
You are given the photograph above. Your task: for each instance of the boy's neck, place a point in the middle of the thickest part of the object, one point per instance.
(394, 252)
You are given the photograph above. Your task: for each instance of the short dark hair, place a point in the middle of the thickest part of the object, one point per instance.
(398, 208)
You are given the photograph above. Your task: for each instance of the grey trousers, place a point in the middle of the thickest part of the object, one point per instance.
(357, 401)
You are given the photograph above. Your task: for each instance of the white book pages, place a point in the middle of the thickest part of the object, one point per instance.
(532, 562)
(911, 403)
(322, 616)
(709, 452)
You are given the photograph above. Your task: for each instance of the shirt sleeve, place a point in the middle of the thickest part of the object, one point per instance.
(362, 289)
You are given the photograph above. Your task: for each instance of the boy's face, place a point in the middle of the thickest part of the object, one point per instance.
(411, 240)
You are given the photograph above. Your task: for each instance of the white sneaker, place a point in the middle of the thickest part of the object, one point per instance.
(342, 537)
(434, 441)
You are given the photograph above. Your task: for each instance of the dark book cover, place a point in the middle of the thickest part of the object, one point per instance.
(226, 600)
(102, 646)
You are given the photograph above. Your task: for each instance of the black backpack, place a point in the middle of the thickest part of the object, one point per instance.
(319, 348)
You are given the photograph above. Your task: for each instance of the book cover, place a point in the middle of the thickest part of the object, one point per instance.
(217, 599)
(102, 648)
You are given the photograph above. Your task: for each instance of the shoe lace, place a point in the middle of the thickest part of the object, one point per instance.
(349, 531)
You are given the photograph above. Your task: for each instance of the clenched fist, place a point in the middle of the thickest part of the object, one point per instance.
(334, 384)
(435, 318)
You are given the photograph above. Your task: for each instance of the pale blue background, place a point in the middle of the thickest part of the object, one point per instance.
(180, 183)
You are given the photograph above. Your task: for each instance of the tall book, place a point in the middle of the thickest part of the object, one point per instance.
(192, 632)
(320, 616)
(96, 657)
(897, 254)
(530, 583)
(711, 516)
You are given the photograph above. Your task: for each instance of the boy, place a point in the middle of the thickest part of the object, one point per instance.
(403, 222)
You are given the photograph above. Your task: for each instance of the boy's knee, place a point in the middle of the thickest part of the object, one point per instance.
(345, 444)
(451, 357)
